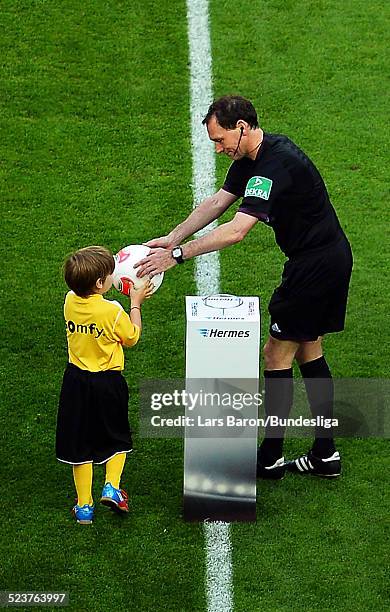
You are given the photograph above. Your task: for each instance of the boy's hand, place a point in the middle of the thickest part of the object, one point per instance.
(138, 296)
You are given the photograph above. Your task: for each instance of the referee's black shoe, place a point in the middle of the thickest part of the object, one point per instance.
(276, 471)
(330, 467)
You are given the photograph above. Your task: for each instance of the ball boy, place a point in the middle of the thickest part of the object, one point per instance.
(92, 423)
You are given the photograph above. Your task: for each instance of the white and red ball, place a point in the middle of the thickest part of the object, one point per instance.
(125, 276)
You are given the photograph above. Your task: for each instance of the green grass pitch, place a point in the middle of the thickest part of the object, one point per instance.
(95, 149)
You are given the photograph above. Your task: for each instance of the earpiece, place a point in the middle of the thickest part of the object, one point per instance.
(239, 140)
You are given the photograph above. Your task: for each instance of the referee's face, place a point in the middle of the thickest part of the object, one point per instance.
(226, 141)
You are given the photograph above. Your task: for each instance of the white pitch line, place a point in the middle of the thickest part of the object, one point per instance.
(219, 583)
(219, 567)
(203, 158)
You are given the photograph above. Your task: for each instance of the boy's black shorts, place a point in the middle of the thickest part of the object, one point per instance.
(92, 423)
(312, 298)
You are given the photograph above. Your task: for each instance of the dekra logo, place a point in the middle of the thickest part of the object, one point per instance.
(223, 333)
(92, 329)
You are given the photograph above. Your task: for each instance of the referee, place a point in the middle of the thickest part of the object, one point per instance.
(280, 187)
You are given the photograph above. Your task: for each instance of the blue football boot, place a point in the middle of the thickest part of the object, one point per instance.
(83, 514)
(116, 499)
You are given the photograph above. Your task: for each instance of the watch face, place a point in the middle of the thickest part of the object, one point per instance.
(176, 252)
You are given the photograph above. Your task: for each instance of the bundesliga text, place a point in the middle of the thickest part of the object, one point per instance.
(234, 421)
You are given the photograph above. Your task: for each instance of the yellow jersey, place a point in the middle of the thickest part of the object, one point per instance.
(96, 330)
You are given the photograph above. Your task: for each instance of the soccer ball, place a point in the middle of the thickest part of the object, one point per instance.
(125, 276)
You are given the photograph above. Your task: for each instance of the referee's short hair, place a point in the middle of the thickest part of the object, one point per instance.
(229, 109)
(84, 267)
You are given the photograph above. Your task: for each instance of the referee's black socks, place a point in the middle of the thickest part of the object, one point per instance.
(320, 393)
(278, 401)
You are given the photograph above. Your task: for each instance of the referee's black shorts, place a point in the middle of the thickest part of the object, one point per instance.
(92, 422)
(312, 298)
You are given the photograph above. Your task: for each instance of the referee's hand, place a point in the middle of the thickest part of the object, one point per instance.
(163, 242)
(158, 260)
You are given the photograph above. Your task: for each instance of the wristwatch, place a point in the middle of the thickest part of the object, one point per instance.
(177, 254)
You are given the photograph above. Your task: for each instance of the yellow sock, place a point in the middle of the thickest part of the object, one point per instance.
(82, 475)
(114, 469)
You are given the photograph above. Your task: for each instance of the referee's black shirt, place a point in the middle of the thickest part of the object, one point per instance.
(284, 189)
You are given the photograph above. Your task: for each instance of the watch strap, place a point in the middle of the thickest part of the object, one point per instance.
(177, 254)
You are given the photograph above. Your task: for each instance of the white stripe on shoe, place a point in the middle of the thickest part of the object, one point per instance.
(302, 463)
(334, 457)
(278, 463)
